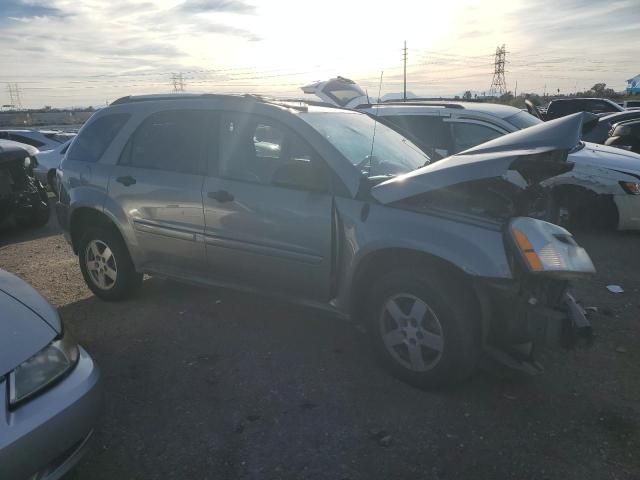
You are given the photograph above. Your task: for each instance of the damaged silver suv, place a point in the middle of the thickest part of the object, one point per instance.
(442, 262)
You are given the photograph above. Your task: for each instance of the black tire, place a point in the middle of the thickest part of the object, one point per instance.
(456, 317)
(127, 280)
(51, 180)
(41, 214)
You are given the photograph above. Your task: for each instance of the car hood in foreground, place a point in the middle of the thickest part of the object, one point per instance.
(524, 157)
(27, 322)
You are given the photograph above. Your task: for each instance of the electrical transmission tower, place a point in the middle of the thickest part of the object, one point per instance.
(177, 81)
(499, 84)
(14, 95)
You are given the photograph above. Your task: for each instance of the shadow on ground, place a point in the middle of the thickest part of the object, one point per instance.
(215, 384)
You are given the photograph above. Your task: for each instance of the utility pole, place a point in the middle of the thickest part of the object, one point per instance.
(515, 90)
(499, 84)
(404, 58)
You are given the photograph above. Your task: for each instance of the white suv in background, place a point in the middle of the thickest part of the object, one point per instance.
(602, 190)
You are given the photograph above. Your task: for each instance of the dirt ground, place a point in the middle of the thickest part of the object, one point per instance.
(213, 384)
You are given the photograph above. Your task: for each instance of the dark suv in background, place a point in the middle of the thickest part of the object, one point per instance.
(567, 106)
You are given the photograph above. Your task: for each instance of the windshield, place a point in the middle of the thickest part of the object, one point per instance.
(352, 134)
(523, 120)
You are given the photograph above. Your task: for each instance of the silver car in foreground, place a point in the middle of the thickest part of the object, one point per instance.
(49, 388)
(330, 208)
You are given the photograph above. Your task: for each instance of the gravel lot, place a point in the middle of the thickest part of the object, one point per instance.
(216, 384)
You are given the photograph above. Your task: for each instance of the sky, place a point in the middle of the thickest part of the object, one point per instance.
(90, 52)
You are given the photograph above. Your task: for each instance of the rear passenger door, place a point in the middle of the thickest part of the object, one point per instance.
(428, 131)
(158, 184)
(466, 134)
(268, 208)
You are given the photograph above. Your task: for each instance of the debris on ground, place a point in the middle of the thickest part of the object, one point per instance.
(621, 350)
(615, 289)
(383, 437)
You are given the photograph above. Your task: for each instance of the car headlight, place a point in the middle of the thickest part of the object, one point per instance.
(631, 187)
(546, 248)
(43, 369)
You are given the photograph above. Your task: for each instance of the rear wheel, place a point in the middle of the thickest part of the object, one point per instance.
(424, 330)
(106, 265)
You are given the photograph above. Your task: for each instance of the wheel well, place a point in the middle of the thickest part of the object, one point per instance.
(589, 209)
(376, 264)
(84, 218)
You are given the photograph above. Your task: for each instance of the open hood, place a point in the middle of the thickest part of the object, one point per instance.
(338, 91)
(523, 158)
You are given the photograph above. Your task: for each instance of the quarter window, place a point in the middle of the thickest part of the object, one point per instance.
(170, 141)
(93, 140)
(467, 135)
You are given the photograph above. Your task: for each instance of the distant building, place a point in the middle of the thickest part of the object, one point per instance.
(633, 85)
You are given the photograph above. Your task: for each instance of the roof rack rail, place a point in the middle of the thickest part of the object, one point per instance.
(415, 102)
(176, 96)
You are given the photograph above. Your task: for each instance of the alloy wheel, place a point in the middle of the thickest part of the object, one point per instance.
(411, 332)
(101, 264)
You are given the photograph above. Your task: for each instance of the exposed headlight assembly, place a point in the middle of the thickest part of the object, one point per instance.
(546, 248)
(43, 369)
(632, 188)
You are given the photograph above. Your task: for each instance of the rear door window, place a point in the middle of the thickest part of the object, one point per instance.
(467, 135)
(428, 130)
(170, 141)
(93, 140)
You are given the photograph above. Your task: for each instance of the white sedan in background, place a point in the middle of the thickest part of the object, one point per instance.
(48, 162)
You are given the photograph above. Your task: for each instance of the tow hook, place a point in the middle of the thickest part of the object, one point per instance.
(577, 326)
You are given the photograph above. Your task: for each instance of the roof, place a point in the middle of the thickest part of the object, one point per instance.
(28, 130)
(497, 110)
(295, 104)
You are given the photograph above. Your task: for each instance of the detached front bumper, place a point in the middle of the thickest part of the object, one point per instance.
(48, 435)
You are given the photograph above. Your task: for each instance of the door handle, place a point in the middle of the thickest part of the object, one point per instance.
(221, 196)
(126, 181)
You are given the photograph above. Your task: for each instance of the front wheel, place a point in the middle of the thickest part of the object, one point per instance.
(106, 265)
(425, 330)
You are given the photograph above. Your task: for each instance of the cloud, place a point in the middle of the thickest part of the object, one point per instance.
(16, 9)
(217, 6)
(229, 30)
